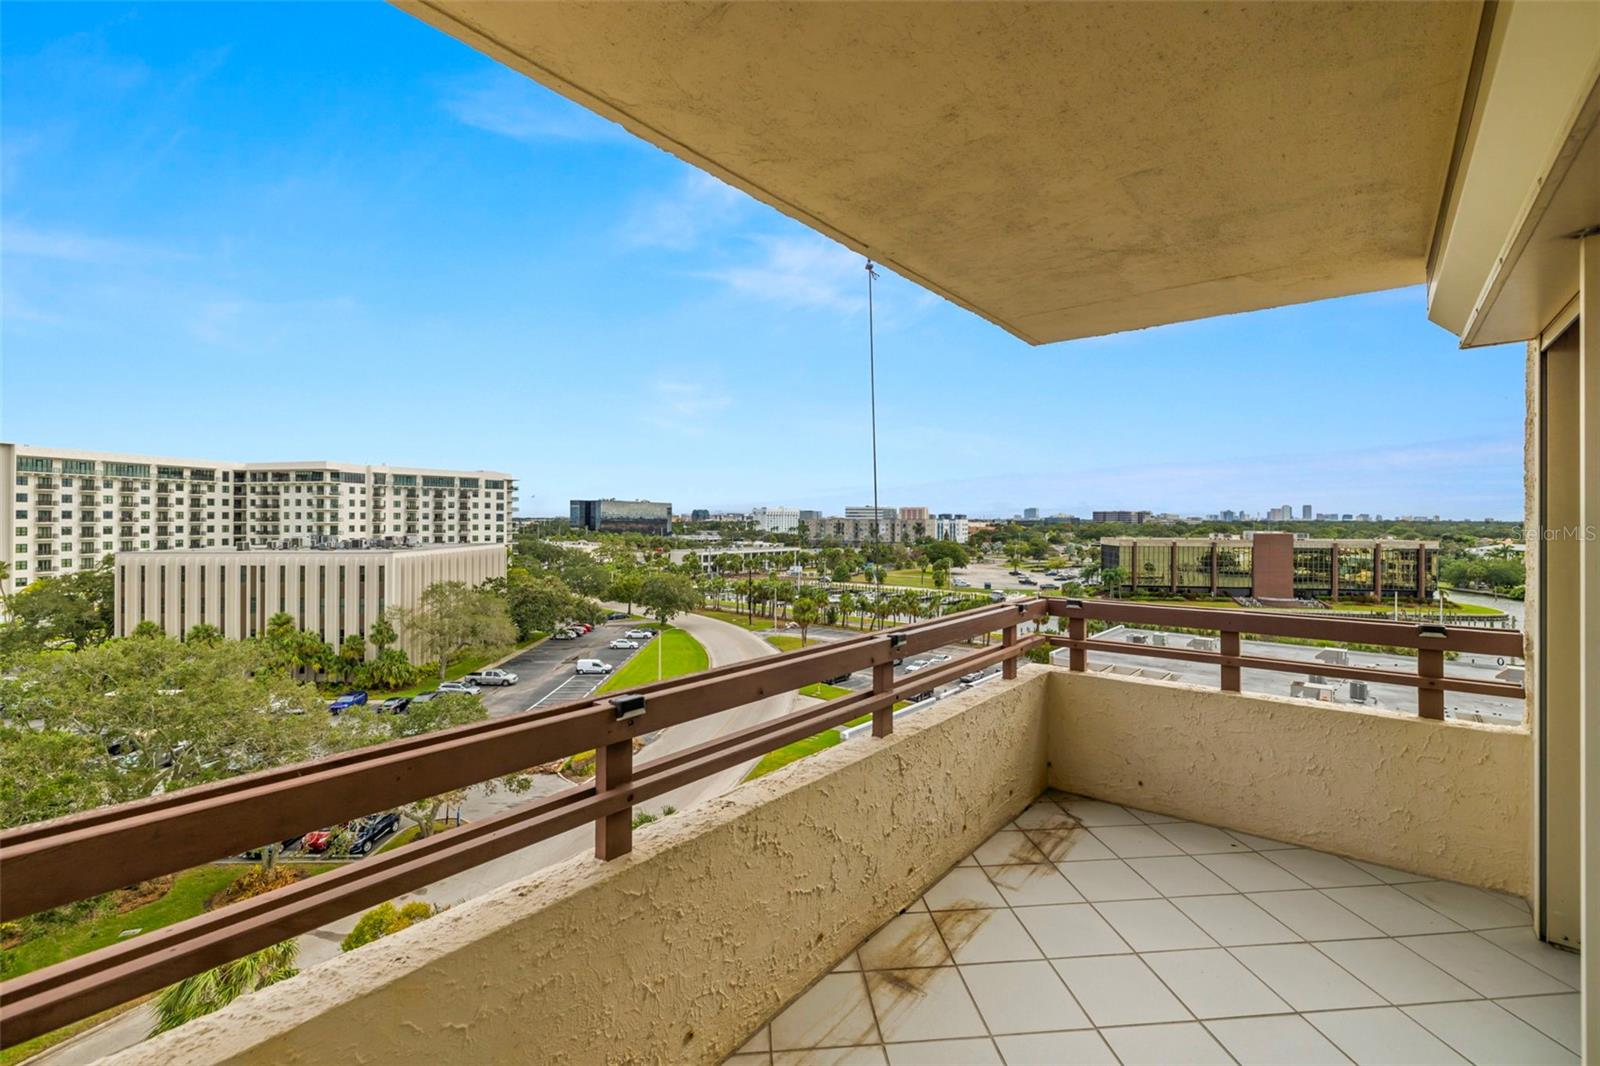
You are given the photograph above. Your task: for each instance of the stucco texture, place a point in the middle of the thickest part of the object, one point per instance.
(1446, 799)
(676, 952)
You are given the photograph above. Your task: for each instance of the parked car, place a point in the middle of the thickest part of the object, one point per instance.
(347, 701)
(938, 657)
(640, 634)
(395, 705)
(317, 841)
(370, 830)
(615, 616)
(623, 643)
(1049, 585)
(914, 667)
(460, 687)
(972, 678)
(593, 666)
(1026, 581)
(491, 677)
(1014, 573)
(563, 634)
(582, 627)
(962, 583)
(840, 680)
(255, 854)
(424, 697)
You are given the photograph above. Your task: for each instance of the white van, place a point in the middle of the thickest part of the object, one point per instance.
(593, 666)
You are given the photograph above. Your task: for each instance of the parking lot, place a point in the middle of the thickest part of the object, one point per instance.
(546, 670)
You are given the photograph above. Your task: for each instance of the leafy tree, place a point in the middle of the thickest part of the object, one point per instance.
(203, 633)
(143, 715)
(75, 609)
(667, 595)
(385, 919)
(197, 996)
(451, 618)
(148, 630)
(625, 587)
(51, 773)
(380, 633)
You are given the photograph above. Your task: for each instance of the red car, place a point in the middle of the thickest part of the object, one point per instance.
(318, 840)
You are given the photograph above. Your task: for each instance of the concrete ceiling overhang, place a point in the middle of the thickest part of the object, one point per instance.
(1062, 169)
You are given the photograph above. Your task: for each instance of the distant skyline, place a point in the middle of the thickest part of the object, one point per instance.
(264, 231)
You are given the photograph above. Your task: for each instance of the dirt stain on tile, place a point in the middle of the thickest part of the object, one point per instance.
(959, 927)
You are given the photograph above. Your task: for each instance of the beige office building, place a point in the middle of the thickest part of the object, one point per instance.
(69, 509)
(332, 593)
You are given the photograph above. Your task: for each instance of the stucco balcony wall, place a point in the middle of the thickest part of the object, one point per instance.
(680, 949)
(1449, 799)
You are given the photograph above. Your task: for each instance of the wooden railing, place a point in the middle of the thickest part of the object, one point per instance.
(52, 863)
(1430, 642)
(68, 859)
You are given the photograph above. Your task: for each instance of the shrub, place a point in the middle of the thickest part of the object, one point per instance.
(384, 919)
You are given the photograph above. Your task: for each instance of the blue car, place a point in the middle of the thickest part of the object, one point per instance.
(347, 701)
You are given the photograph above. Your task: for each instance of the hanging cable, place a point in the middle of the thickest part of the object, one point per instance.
(872, 387)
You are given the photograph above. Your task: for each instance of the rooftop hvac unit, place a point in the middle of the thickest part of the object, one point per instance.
(1159, 640)
(1138, 638)
(1358, 692)
(1204, 643)
(1317, 679)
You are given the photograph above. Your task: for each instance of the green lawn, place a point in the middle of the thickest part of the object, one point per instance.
(186, 898)
(784, 642)
(824, 691)
(782, 757)
(737, 618)
(679, 654)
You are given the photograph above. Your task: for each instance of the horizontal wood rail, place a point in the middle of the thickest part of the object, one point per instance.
(51, 863)
(1430, 641)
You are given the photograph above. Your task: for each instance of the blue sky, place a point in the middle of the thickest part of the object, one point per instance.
(332, 232)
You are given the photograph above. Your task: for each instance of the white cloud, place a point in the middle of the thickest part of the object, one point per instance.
(18, 239)
(682, 406)
(511, 105)
(698, 209)
(807, 272)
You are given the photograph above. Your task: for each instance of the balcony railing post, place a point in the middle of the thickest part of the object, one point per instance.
(1078, 630)
(1430, 701)
(613, 768)
(882, 685)
(1230, 674)
(1008, 637)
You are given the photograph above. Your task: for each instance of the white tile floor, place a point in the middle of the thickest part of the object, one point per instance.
(1085, 932)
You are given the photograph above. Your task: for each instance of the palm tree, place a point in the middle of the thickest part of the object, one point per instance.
(805, 615)
(197, 996)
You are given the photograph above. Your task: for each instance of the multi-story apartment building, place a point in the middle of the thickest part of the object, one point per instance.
(622, 516)
(1273, 566)
(776, 519)
(951, 527)
(913, 514)
(865, 513)
(70, 508)
(1125, 517)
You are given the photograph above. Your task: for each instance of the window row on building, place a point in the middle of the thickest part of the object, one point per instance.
(1272, 566)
